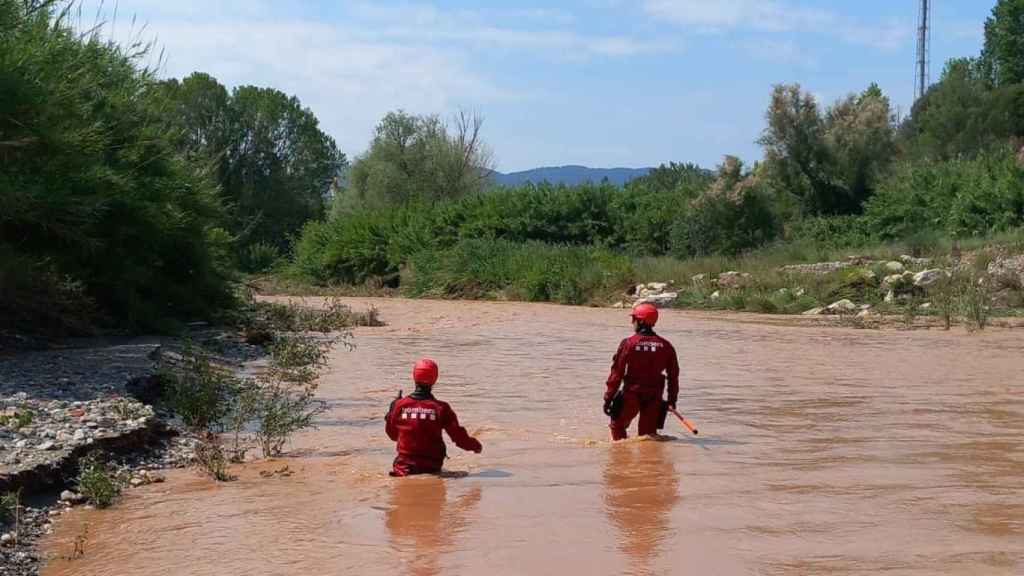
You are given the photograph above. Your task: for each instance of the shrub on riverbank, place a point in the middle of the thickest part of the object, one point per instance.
(96, 206)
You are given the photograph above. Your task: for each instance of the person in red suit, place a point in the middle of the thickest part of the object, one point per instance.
(416, 422)
(642, 364)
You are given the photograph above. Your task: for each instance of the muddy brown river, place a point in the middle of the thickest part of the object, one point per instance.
(822, 451)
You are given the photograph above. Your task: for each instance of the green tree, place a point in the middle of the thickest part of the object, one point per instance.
(734, 215)
(279, 165)
(830, 162)
(961, 116)
(420, 158)
(1003, 55)
(95, 202)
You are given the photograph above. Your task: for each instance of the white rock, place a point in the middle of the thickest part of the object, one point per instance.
(894, 267)
(660, 300)
(21, 443)
(6, 539)
(657, 287)
(929, 277)
(890, 297)
(814, 312)
(79, 435)
(926, 306)
(732, 279)
(842, 307)
(48, 446)
(619, 305)
(716, 295)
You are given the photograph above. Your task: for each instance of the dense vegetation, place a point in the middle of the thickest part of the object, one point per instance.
(131, 201)
(836, 177)
(128, 201)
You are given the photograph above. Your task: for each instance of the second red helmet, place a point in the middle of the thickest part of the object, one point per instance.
(646, 313)
(425, 372)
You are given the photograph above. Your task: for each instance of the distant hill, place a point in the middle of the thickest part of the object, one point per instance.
(570, 175)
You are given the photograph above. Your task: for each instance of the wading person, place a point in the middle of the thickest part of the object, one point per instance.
(416, 422)
(642, 364)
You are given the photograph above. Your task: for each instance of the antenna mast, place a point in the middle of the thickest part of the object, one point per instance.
(922, 77)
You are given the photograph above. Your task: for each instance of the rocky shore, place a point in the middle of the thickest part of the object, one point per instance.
(58, 406)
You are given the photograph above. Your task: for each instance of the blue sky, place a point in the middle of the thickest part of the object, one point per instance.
(594, 82)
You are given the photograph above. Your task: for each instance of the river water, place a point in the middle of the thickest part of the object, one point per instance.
(822, 451)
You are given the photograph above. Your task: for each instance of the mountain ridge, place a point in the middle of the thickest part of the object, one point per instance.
(570, 175)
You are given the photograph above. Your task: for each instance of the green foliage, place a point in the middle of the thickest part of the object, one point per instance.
(961, 116)
(419, 158)
(210, 457)
(831, 162)
(9, 504)
(272, 161)
(529, 271)
(733, 216)
(198, 391)
(959, 197)
(259, 257)
(284, 400)
(92, 194)
(97, 482)
(1003, 55)
(832, 232)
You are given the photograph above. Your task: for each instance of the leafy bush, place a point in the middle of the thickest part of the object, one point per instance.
(260, 257)
(961, 198)
(735, 215)
(209, 456)
(199, 392)
(97, 482)
(529, 271)
(94, 198)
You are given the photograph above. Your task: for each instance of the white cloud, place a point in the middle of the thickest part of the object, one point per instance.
(353, 68)
(777, 16)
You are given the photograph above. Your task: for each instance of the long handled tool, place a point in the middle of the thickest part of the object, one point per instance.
(689, 425)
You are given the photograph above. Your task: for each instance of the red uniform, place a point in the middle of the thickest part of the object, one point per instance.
(642, 364)
(416, 422)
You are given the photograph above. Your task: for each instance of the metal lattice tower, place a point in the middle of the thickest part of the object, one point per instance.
(922, 77)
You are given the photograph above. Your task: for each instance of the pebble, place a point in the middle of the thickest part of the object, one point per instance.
(6, 538)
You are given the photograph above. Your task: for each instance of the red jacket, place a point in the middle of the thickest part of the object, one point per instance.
(416, 422)
(643, 361)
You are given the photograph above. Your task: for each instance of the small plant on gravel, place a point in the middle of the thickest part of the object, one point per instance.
(975, 302)
(127, 410)
(945, 295)
(210, 457)
(18, 420)
(285, 398)
(97, 482)
(10, 511)
(199, 392)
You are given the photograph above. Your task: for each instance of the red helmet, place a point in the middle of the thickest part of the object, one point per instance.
(645, 313)
(425, 372)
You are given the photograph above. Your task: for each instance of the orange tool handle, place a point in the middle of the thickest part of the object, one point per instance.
(689, 426)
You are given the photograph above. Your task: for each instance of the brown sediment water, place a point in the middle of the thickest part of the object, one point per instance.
(822, 451)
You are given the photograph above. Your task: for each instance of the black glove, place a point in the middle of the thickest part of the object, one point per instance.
(608, 406)
(672, 405)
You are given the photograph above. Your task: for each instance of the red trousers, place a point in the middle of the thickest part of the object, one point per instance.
(647, 406)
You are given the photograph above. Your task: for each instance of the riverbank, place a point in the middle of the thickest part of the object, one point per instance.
(88, 396)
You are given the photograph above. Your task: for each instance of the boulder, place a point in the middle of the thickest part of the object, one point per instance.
(842, 307)
(814, 312)
(660, 300)
(716, 295)
(898, 282)
(929, 277)
(1008, 272)
(732, 279)
(658, 287)
(894, 267)
(915, 262)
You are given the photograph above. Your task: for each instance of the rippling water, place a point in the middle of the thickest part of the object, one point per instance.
(823, 451)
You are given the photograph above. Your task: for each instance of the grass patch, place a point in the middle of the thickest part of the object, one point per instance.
(97, 482)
